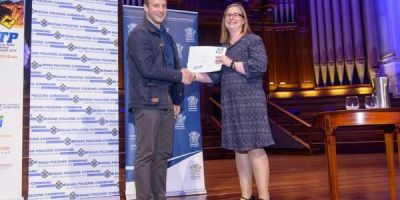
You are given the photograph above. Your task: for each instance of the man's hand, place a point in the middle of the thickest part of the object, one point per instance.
(187, 76)
(177, 110)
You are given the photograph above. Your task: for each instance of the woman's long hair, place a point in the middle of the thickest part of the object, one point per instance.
(225, 37)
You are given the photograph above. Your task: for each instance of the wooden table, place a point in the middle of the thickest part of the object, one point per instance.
(389, 119)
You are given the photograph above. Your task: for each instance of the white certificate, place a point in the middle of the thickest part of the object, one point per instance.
(202, 58)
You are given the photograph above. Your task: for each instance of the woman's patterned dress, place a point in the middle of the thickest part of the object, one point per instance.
(244, 105)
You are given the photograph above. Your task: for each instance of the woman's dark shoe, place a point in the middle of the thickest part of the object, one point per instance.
(251, 198)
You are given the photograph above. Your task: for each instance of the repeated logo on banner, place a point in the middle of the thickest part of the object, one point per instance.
(11, 97)
(186, 169)
(73, 148)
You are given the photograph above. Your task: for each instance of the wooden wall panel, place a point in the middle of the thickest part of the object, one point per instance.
(306, 74)
(307, 78)
(286, 58)
(269, 45)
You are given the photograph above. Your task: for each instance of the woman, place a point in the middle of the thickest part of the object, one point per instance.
(245, 127)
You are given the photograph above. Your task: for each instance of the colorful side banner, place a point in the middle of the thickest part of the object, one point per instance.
(11, 97)
(186, 169)
(73, 147)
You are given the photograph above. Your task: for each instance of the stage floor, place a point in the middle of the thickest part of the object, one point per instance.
(305, 177)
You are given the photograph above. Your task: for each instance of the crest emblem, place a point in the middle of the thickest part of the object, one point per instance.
(194, 139)
(180, 122)
(179, 47)
(190, 34)
(193, 102)
(196, 170)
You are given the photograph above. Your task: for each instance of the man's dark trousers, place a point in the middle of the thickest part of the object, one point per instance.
(154, 138)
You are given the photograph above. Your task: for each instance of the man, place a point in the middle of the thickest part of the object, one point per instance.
(156, 91)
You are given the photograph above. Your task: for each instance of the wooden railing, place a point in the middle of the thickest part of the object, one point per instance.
(213, 118)
(283, 111)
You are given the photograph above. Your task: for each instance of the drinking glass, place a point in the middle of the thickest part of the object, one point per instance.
(352, 103)
(371, 102)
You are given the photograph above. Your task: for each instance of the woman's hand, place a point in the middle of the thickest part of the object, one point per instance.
(225, 60)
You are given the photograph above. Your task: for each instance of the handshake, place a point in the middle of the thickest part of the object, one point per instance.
(187, 76)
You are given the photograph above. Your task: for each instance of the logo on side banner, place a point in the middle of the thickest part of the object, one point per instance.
(193, 102)
(7, 21)
(131, 26)
(194, 139)
(180, 122)
(179, 47)
(1, 120)
(8, 37)
(190, 34)
(196, 170)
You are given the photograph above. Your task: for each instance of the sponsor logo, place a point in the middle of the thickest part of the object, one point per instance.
(35, 65)
(44, 22)
(107, 173)
(92, 20)
(72, 195)
(39, 118)
(109, 81)
(53, 130)
(193, 103)
(102, 121)
(190, 34)
(44, 174)
(81, 152)
(84, 59)
(63, 87)
(79, 8)
(104, 31)
(89, 110)
(76, 99)
(49, 76)
(194, 139)
(7, 21)
(71, 47)
(57, 35)
(180, 122)
(67, 141)
(114, 132)
(96, 70)
(94, 163)
(59, 185)
(12, 106)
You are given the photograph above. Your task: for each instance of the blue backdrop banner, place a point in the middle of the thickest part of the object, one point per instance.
(186, 169)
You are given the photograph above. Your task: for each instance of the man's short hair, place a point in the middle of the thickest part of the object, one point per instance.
(146, 2)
